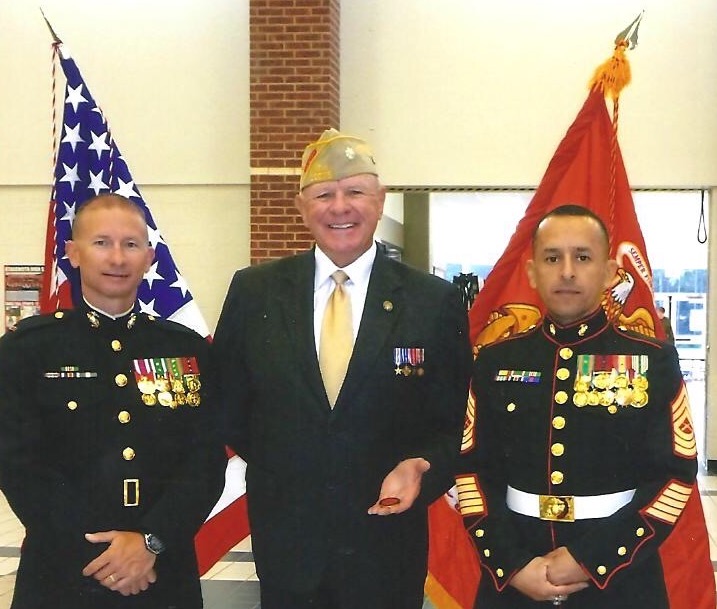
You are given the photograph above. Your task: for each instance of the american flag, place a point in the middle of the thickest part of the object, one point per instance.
(89, 163)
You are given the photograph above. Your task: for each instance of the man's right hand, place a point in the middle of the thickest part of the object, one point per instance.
(532, 580)
(126, 566)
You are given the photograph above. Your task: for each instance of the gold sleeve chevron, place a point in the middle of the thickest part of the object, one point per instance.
(669, 505)
(470, 497)
(469, 424)
(683, 432)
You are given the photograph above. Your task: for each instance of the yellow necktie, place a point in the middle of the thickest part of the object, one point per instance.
(337, 339)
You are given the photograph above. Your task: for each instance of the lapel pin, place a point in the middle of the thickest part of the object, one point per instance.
(387, 305)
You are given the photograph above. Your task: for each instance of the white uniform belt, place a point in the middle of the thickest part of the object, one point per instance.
(566, 508)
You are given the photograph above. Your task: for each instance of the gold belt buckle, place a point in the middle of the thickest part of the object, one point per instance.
(131, 492)
(558, 508)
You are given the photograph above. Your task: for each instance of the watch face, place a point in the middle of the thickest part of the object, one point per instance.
(153, 543)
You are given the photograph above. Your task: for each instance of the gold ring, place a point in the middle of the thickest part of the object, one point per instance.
(111, 578)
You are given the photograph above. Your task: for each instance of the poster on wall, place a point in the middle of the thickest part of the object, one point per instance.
(22, 291)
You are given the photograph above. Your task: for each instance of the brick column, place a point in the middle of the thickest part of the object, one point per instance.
(294, 95)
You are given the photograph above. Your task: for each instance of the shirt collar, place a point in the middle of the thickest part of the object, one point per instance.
(358, 271)
(577, 331)
(109, 315)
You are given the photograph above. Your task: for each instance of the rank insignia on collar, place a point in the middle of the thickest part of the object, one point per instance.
(518, 376)
(409, 361)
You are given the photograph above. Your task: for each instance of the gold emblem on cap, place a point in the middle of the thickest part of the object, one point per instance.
(128, 454)
(557, 477)
(387, 305)
(72, 405)
(123, 417)
(566, 353)
(116, 345)
(121, 380)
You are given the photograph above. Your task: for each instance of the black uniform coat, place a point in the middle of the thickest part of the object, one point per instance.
(72, 431)
(542, 438)
(313, 472)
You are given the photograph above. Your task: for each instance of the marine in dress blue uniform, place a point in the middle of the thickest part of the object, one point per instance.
(106, 428)
(580, 445)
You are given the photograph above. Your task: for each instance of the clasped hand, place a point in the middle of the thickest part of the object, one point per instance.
(126, 566)
(553, 575)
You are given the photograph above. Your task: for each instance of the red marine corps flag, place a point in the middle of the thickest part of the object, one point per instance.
(587, 168)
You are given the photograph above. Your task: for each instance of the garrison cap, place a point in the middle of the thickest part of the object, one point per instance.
(335, 156)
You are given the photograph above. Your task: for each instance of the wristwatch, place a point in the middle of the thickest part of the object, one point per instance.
(153, 543)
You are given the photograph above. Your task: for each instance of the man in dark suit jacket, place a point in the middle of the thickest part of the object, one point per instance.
(338, 493)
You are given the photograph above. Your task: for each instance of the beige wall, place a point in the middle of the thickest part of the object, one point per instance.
(480, 92)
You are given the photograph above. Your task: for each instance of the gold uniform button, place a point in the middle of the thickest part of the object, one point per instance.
(124, 417)
(387, 305)
(640, 532)
(559, 422)
(561, 397)
(116, 345)
(601, 570)
(566, 353)
(563, 374)
(128, 454)
(59, 314)
(510, 407)
(499, 572)
(621, 551)
(557, 449)
(72, 405)
(486, 553)
(557, 477)
(121, 380)
(480, 532)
